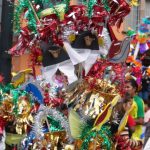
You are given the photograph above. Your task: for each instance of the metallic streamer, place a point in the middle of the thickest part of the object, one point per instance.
(42, 114)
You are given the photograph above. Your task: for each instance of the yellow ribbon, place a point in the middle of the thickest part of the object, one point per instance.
(108, 111)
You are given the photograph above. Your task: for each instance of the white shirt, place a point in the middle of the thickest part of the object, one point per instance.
(147, 116)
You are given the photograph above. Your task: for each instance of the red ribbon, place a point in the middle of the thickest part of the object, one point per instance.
(99, 11)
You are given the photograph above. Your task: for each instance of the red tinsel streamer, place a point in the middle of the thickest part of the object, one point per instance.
(36, 54)
(98, 70)
(98, 18)
(23, 42)
(50, 30)
(77, 15)
(99, 11)
(46, 97)
(50, 26)
(54, 102)
(57, 102)
(76, 11)
(118, 12)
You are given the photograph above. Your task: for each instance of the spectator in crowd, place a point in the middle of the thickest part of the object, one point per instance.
(123, 138)
(147, 120)
(137, 112)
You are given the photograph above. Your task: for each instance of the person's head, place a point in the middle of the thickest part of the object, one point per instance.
(54, 51)
(127, 101)
(131, 87)
(124, 105)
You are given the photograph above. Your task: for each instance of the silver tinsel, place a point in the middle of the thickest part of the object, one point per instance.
(42, 115)
(68, 30)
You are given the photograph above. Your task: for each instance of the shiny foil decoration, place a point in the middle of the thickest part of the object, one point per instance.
(42, 115)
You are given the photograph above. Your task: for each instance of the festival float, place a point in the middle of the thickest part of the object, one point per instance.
(73, 104)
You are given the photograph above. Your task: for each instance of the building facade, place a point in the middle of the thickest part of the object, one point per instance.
(134, 19)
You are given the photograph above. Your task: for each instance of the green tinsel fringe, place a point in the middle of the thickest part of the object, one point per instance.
(104, 133)
(20, 7)
(54, 124)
